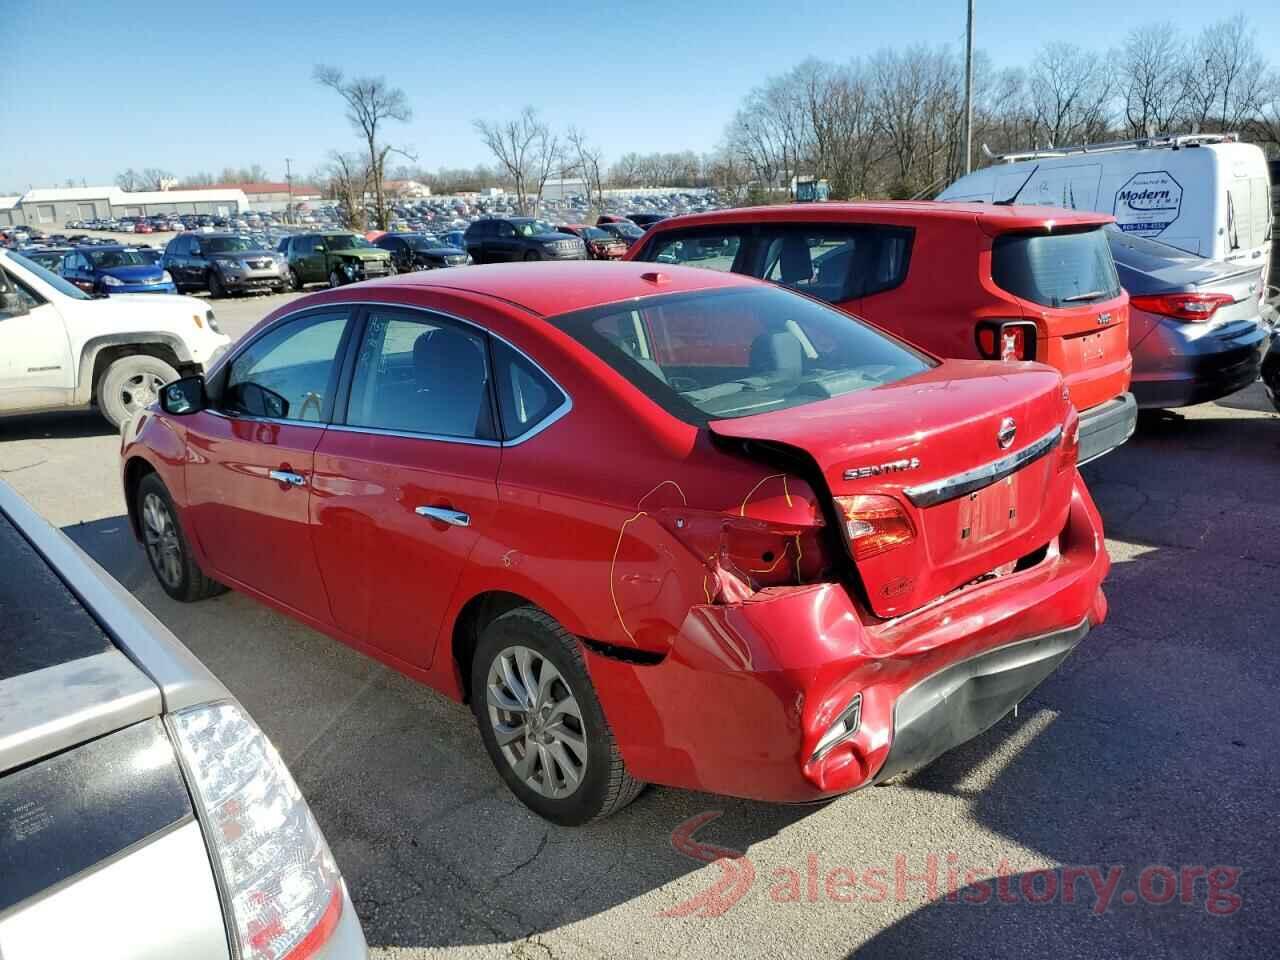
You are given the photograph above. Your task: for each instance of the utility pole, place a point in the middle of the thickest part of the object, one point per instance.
(288, 177)
(968, 93)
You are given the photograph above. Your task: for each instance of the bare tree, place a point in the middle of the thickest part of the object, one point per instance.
(588, 160)
(527, 151)
(153, 178)
(1151, 74)
(371, 103)
(347, 177)
(1070, 92)
(1226, 76)
(129, 181)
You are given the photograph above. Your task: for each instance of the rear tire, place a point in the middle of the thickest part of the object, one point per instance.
(166, 546)
(132, 384)
(529, 686)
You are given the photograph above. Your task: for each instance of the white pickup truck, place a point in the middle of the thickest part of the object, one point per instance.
(61, 349)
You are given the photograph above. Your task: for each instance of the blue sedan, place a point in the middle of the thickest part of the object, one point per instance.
(115, 269)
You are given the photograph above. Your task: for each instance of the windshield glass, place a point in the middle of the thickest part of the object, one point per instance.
(420, 242)
(529, 228)
(346, 241)
(52, 279)
(1056, 270)
(106, 259)
(227, 244)
(595, 233)
(719, 354)
(627, 230)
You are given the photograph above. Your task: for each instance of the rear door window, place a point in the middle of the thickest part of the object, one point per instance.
(1056, 270)
(834, 262)
(526, 395)
(712, 249)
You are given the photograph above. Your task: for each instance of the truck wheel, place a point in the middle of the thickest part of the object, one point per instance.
(295, 282)
(166, 546)
(541, 723)
(132, 384)
(216, 289)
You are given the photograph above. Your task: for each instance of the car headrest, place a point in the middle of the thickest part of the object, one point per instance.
(778, 355)
(794, 261)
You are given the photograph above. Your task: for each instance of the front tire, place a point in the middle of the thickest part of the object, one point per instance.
(217, 289)
(335, 280)
(295, 283)
(531, 256)
(541, 723)
(166, 545)
(132, 384)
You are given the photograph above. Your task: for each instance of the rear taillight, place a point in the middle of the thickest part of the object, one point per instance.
(874, 524)
(1069, 452)
(1189, 307)
(1007, 341)
(280, 882)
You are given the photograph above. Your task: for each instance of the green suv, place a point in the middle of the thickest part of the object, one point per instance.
(333, 258)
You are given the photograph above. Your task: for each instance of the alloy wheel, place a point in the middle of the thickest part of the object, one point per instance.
(537, 721)
(140, 391)
(160, 534)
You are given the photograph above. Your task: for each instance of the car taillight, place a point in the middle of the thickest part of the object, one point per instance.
(1190, 307)
(1069, 452)
(1008, 341)
(281, 883)
(874, 524)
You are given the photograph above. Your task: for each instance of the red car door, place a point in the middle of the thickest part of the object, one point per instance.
(250, 459)
(406, 486)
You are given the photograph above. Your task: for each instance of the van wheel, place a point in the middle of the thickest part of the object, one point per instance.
(131, 384)
(166, 546)
(542, 724)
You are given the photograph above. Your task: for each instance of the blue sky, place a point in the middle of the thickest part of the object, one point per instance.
(90, 88)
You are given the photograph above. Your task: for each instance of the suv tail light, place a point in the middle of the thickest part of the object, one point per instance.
(1069, 452)
(278, 879)
(1007, 341)
(874, 524)
(1190, 307)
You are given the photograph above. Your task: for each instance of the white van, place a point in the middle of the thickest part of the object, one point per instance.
(1206, 194)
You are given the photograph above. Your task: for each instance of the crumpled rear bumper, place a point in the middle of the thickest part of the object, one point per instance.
(748, 690)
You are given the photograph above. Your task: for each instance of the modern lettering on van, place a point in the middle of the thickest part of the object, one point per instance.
(1147, 203)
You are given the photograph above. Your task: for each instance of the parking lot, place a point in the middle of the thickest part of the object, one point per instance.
(1148, 756)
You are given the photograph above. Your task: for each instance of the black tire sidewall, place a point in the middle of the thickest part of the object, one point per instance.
(216, 289)
(517, 629)
(185, 590)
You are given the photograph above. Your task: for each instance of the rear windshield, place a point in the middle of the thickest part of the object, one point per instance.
(1056, 270)
(720, 354)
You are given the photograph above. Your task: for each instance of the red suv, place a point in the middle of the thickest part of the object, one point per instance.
(961, 280)
(677, 527)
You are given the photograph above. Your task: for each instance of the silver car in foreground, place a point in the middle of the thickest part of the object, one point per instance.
(143, 814)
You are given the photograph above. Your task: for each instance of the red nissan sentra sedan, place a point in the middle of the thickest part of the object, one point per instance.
(669, 526)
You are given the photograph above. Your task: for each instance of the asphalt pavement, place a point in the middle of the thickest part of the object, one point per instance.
(1134, 793)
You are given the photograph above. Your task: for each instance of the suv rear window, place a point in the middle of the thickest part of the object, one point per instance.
(1056, 270)
(720, 354)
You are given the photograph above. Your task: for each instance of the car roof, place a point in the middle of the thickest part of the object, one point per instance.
(553, 287)
(100, 247)
(994, 217)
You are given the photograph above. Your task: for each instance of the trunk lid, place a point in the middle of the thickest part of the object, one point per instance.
(908, 440)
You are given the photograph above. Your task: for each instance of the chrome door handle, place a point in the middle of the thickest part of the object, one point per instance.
(454, 518)
(287, 476)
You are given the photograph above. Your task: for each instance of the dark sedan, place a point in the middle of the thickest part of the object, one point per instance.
(420, 251)
(115, 269)
(627, 232)
(1194, 324)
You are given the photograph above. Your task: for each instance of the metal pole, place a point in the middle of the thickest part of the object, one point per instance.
(288, 176)
(968, 93)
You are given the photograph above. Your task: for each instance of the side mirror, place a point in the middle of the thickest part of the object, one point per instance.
(184, 396)
(12, 305)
